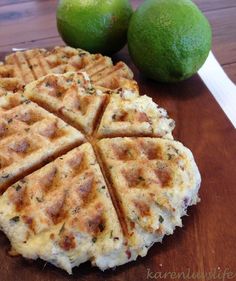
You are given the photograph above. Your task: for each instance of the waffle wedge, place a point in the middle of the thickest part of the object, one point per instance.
(63, 214)
(71, 96)
(30, 65)
(128, 114)
(154, 180)
(29, 135)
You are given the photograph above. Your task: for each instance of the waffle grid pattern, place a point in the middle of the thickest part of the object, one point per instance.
(29, 135)
(73, 93)
(21, 68)
(110, 125)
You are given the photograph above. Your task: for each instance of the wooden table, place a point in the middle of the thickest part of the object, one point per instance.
(207, 241)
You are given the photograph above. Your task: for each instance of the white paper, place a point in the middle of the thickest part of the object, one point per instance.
(18, 49)
(221, 87)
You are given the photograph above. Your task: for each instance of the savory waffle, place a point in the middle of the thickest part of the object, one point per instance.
(30, 65)
(106, 205)
(29, 135)
(154, 180)
(71, 96)
(63, 214)
(130, 115)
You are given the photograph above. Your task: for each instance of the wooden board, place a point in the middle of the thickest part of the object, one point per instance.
(209, 5)
(230, 69)
(207, 240)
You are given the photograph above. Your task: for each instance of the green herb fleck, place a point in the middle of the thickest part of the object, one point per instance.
(78, 81)
(15, 219)
(101, 226)
(161, 219)
(91, 91)
(39, 199)
(76, 210)
(176, 150)
(170, 156)
(94, 239)
(62, 229)
(17, 187)
(129, 153)
(111, 234)
(103, 187)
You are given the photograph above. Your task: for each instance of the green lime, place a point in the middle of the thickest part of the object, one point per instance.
(169, 40)
(98, 26)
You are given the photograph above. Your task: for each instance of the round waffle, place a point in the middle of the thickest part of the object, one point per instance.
(86, 172)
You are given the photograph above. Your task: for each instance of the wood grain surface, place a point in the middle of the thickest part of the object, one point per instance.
(207, 242)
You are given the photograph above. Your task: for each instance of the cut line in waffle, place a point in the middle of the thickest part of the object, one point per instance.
(94, 110)
(29, 135)
(71, 96)
(154, 181)
(63, 214)
(74, 98)
(30, 65)
(107, 200)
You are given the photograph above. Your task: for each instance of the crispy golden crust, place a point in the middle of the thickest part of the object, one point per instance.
(11, 85)
(70, 190)
(108, 205)
(32, 64)
(63, 212)
(71, 96)
(29, 135)
(154, 181)
(128, 114)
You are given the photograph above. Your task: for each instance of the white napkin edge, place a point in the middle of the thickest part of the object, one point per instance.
(221, 87)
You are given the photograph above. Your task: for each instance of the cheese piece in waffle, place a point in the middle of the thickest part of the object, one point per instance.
(30, 65)
(29, 135)
(130, 115)
(63, 214)
(154, 180)
(71, 96)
